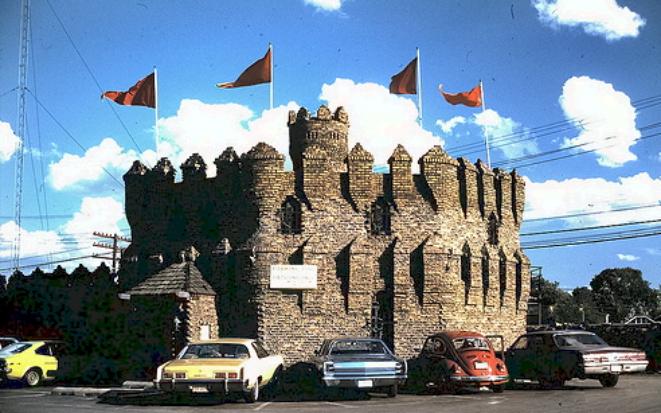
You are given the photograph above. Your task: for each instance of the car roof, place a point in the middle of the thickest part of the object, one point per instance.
(452, 334)
(228, 340)
(545, 332)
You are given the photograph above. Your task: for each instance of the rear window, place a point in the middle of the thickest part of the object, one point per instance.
(578, 340)
(470, 343)
(216, 351)
(15, 348)
(358, 347)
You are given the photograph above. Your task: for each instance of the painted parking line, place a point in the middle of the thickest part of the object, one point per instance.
(23, 396)
(346, 406)
(261, 406)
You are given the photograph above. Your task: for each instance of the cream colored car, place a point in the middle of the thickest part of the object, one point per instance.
(221, 366)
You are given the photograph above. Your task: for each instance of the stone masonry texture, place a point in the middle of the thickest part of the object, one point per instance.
(434, 267)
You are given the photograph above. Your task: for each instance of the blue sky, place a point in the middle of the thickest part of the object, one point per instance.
(541, 62)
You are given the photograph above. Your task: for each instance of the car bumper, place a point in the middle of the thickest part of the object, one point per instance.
(202, 385)
(615, 368)
(363, 381)
(480, 380)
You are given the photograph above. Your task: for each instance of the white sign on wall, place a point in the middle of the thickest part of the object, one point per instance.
(293, 277)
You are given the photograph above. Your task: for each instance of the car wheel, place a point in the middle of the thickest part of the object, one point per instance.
(252, 395)
(32, 378)
(392, 390)
(498, 388)
(609, 380)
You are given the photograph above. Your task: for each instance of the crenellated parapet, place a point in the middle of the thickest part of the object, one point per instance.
(503, 183)
(518, 196)
(194, 169)
(486, 189)
(400, 173)
(328, 130)
(318, 179)
(360, 164)
(468, 188)
(440, 173)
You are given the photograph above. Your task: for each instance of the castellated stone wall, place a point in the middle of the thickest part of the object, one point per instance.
(447, 255)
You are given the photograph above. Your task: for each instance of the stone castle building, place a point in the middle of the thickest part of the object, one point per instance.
(398, 255)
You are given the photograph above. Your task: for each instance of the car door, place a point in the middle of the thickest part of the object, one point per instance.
(266, 364)
(521, 358)
(45, 360)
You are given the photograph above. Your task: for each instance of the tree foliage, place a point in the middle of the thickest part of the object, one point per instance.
(623, 293)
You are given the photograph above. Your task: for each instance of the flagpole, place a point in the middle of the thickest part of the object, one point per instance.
(155, 106)
(271, 83)
(486, 133)
(417, 71)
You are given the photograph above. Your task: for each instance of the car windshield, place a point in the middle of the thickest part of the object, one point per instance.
(357, 347)
(579, 340)
(470, 343)
(216, 351)
(15, 348)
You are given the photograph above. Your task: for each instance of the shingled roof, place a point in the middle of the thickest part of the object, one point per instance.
(177, 278)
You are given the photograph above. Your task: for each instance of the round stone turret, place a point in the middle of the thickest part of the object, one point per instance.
(329, 131)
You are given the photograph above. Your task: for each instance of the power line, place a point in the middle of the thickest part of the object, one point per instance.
(71, 136)
(581, 214)
(571, 155)
(558, 231)
(54, 262)
(595, 236)
(51, 253)
(579, 242)
(98, 85)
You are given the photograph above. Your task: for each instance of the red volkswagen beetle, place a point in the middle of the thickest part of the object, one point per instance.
(455, 359)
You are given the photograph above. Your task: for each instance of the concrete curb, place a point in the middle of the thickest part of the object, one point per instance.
(81, 391)
(130, 384)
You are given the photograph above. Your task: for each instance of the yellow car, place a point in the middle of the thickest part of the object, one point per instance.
(220, 366)
(30, 361)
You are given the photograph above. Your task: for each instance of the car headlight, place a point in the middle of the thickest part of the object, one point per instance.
(167, 375)
(180, 375)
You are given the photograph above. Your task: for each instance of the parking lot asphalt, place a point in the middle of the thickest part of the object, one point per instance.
(640, 393)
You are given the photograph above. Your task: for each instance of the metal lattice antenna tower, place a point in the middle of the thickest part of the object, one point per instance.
(22, 86)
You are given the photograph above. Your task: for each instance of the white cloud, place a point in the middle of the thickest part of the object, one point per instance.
(73, 170)
(379, 120)
(627, 257)
(497, 126)
(209, 128)
(607, 119)
(8, 141)
(571, 196)
(326, 5)
(32, 242)
(447, 126)
(74, 238)
(653, 251)
(597, 17)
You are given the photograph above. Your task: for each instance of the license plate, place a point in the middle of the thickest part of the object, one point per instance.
(199, 389)
(365, 383)
(480, 365)
(616, 368)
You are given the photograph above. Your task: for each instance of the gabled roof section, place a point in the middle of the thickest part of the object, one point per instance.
(183, 277)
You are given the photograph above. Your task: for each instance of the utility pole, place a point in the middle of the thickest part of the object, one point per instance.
(116, 249)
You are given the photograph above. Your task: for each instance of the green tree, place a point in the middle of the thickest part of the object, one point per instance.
(622, 292)
(584, 301)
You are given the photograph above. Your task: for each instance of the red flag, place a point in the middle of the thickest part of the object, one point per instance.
(403, 83)
(472, 98)
(256, 73)
(142, 93)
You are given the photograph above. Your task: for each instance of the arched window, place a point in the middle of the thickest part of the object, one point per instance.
(518, 279)
(380, 217)
(502, 276)
(485, 276)
(290, 216)
(492, 229)
(466, 270)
